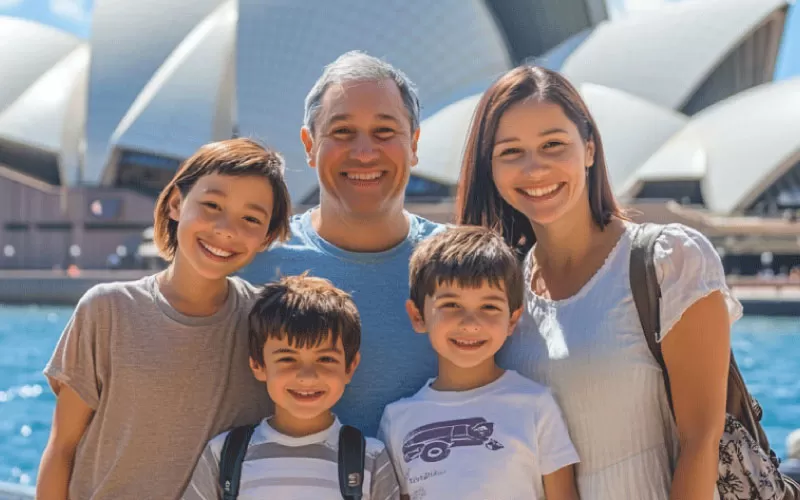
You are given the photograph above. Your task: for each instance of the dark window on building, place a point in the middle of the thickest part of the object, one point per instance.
(782, 198)
(144, 172)
(684, 192)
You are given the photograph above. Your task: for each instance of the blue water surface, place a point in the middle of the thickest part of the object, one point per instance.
(768, 351)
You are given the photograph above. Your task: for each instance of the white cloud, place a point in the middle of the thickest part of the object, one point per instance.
(8, 4)
(73, 10)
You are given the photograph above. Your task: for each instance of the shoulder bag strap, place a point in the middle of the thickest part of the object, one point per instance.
(230, 462)
(352, 453)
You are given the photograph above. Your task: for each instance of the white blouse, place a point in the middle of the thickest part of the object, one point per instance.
(590, 350)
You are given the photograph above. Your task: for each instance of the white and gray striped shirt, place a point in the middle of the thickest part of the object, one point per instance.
(280, 466)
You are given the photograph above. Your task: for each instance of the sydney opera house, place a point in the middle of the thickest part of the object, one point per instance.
(696, 130)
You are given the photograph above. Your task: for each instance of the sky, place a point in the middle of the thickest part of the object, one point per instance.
(75, 16)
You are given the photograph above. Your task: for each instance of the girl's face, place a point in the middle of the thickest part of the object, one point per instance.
(540, 161)
(223, 223)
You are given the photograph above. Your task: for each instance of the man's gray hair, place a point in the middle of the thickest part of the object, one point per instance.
(357, 66)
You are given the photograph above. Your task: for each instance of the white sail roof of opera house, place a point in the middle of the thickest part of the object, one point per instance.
(632, 129)
(189, 100)
(50, 113)
(449, 48)
(736, 148)
(130, 40)
(27, 50)
(666, 55)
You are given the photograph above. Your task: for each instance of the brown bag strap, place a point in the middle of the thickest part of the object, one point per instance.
(647, 293)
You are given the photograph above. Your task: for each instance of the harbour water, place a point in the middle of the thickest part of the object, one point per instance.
(768, 351)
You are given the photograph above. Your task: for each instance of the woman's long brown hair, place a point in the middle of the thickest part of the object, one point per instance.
(478, 202)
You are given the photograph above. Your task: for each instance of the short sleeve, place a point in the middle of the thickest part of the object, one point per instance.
(555, 448)
(688, 269)
(80, 359)
(204, 484)
(384, 485)
(385, 434)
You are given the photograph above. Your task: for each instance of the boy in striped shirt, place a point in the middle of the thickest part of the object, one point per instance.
(304, 345)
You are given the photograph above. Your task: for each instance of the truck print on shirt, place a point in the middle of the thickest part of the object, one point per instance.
(433, 442)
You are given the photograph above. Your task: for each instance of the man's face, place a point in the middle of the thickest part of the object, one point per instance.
(362, 147)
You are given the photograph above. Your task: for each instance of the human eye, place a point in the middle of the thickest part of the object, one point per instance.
(385, 133)
(253, 220)
(328, 360)
(551, 145)
(449, 305)
(211, 205)
(285, 360)
(509, 152)
(342, 132)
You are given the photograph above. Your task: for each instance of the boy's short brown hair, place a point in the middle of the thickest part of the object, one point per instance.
(307, 311)
(236, 157)
(467, 256)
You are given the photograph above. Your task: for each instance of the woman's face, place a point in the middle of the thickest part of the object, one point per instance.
(539, 162)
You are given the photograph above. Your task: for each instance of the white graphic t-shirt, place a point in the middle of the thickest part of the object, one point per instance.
(495, 442)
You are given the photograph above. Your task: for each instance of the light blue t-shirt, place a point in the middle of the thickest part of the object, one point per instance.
(395, 361)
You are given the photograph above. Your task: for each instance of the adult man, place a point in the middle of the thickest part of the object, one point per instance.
(360, 134)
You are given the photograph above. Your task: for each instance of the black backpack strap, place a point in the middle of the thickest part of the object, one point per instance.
(647, 292)
(352, 453)
(231, 459)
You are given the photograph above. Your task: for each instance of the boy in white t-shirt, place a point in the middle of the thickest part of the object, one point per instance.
(305, 336)
(475, 432)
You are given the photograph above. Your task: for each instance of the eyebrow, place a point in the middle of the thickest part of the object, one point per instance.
(251, 206)
(287, 350)
(345, 116)
(492, 296)
(546, 132)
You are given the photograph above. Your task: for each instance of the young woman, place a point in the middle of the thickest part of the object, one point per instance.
(147, 371)
(534, 169)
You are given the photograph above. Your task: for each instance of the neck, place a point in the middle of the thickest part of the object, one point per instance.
(562, 244)
(457, 378)
(360, 234)
(189, 293)
(289, 425)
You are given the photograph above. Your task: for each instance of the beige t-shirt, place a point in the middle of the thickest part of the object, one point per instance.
(161, 385)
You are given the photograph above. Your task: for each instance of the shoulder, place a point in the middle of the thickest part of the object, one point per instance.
(425, 228)
(243, 288)
(106, 296)
(516, 384)
(375, 447)
(681, 238)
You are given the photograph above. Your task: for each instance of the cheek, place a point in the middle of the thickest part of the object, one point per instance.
(502, 175)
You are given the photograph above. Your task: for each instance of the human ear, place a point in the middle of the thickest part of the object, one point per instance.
(352, 368)
(414, 142)
(259, 371)
(417, 323)
(174, 204)
(308, 144)
(514, 320)
(590, 151)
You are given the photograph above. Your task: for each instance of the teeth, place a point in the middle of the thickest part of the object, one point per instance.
(536, 192)
(216, 251)
(364, 177)
(307, 393)
(467, 342)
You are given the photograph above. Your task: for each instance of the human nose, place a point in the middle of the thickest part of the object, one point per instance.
(363, 149)
(224, 227)
(307, 373)
(469, 323)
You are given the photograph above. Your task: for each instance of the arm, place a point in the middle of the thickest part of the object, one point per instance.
(204, 484)
(71, 417)
(697, 356)
(560, 485)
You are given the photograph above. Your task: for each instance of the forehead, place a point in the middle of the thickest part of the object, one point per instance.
(465, 288)
(363, 99)
(323, 341)
(250, 188)
(534, 116)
